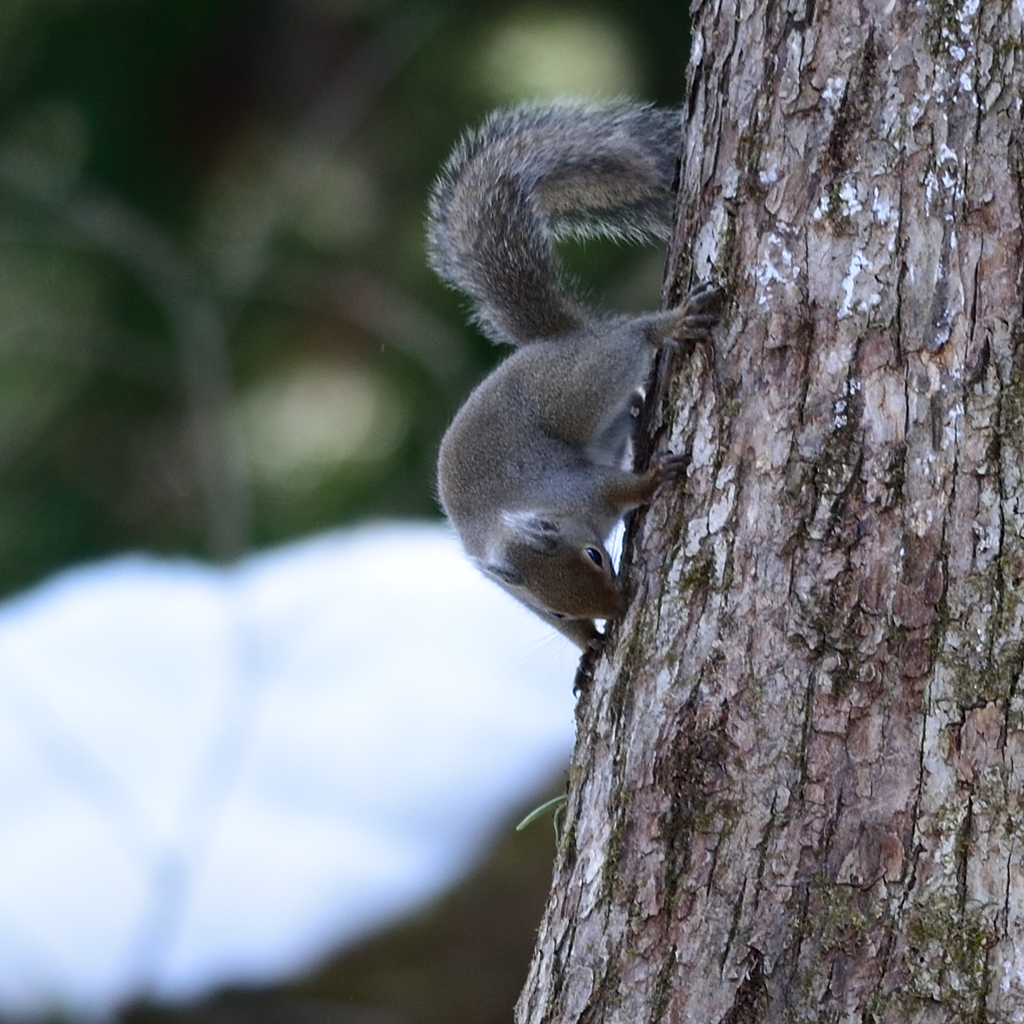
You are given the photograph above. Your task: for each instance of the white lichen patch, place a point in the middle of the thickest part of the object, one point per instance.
(951, 428)
(920, 521)
(840, 414)
(859, 263)
(959, 42)
(848, 198)
(931, 185)
(1013, 972)
(881, 207)
(835, 89)
(841, 406)
(987, 532)
(943, 183)
(776, 264)
(966, 15)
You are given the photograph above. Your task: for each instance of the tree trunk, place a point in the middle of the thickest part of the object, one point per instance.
(797, 788)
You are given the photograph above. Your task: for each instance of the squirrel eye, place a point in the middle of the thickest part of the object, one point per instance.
(556, 615)
(595, 556)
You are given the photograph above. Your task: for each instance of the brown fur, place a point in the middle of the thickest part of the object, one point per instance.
(531, 472)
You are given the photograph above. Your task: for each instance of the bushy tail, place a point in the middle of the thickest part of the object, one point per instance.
(532, 175)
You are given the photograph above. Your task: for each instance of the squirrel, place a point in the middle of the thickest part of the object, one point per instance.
(531, 472)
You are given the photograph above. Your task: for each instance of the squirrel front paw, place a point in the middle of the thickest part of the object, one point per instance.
(669, 465)
(693, 319)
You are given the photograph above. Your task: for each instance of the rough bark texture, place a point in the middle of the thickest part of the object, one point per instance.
(797, 789)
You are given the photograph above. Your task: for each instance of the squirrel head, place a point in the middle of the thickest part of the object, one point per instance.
(556, 565)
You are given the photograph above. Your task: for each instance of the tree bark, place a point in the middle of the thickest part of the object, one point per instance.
(797, 788)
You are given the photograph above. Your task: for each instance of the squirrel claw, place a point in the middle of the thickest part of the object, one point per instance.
(705, 293)
(671, 465)
(693, 320)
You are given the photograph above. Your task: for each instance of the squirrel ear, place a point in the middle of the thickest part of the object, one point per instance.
(533, 529)
(503, 572)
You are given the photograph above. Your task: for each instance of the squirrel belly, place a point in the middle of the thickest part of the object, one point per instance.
(532, 471)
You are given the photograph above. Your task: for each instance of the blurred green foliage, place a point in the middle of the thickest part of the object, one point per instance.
(217, 329)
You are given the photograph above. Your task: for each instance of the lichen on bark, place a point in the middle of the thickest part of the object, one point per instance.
(796, 793)
(797, 788)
